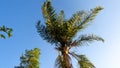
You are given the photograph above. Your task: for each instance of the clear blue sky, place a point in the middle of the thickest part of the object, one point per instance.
(22, 16)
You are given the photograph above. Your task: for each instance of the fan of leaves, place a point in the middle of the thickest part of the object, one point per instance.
(57, 29)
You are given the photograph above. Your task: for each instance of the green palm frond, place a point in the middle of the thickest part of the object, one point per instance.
(49, 12)
(89, 17)
(86, 39)
(59, 62)
(83, 61)
(74, 22)
(45, 33)
(80, 19)
(61, 17)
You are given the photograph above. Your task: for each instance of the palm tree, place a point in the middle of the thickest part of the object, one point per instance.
(61, 32)
(4, 30)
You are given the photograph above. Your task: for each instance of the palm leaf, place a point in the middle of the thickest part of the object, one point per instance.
(44, 33)
(49, 12)
(59, 62)
(89, 17)
(83, 61)
(61, 17)
(80, 20)
(86, 39)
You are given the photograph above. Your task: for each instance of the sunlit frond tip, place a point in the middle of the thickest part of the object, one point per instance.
(84, 62)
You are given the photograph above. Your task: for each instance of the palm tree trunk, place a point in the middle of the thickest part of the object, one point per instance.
(66, 58)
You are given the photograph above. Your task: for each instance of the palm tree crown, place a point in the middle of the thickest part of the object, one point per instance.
(60, 31)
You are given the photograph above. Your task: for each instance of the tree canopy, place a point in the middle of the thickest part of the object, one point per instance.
(30, 59)
(61, 32)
